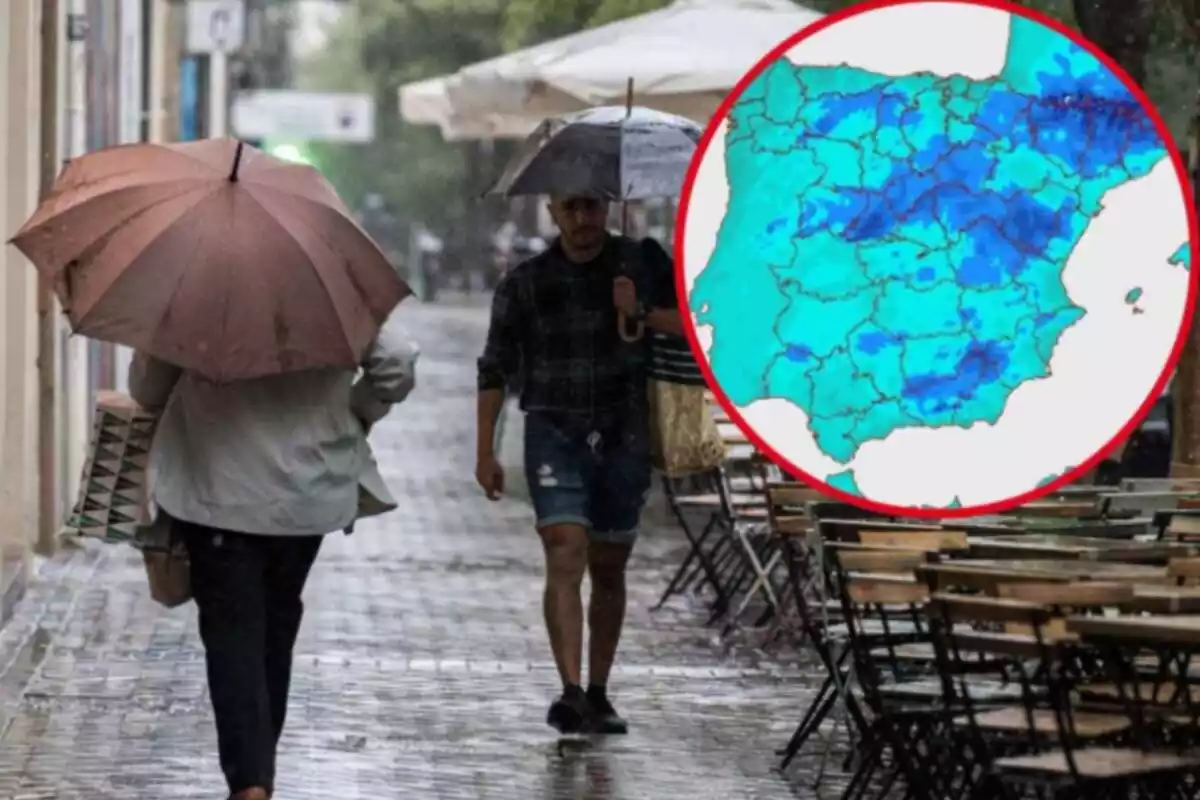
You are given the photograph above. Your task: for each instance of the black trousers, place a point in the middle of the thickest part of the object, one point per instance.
(247, 589)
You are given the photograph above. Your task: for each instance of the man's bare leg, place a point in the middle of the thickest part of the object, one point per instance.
(606, 616)
(606, 607)
(566, 561)
(566, 548)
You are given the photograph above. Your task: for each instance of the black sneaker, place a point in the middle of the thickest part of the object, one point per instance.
(605, 718)
(570, 713)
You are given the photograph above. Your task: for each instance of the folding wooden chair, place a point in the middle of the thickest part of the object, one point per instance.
(833, 635)
(760, 547)
(1049, 745)
(721, 508)
(881, 603)
(808, 593)
(1180, 526)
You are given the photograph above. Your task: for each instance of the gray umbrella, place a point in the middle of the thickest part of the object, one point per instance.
(613, 152)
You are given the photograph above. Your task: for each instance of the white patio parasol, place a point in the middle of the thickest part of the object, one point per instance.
(427, 103)
(683, 58)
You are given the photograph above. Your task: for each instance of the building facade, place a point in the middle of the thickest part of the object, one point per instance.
(112, 62)
(20, 97)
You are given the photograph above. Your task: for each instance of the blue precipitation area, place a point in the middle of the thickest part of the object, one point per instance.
(893, 247)
(1182, 257)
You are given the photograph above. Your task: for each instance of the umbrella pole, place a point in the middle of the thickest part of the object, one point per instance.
(628, 114)
(622, 321)
(237, 162)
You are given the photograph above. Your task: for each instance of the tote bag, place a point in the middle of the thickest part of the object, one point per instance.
(113, 501)
(114, 504)
(684, 436)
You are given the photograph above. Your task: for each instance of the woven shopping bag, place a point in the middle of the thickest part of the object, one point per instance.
(684, 436)
(114, 502)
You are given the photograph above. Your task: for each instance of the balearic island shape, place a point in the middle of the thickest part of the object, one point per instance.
(893, 248)
(1182, 257)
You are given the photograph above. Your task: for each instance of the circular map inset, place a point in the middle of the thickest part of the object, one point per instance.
(937, 256)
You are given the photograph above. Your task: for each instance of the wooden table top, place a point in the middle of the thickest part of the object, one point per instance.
(1148, 501)
(997, 525)
(842, 528)
(1164, 599)
(1041, 546)
(1182, 629)
(1057, 508)
(984, 574)
(1068, 568)
(1078, 492)
(1161, 484)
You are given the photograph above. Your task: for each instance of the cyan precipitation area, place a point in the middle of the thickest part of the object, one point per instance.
(893, 247)
(1182, 256)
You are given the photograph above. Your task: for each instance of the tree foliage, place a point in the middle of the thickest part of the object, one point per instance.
(379, 45)
(376, 47)
(530, 21)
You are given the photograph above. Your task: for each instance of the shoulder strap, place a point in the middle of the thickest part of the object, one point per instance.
(635, 256)
(630, 252)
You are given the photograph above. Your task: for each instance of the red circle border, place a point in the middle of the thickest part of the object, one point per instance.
(689, 324)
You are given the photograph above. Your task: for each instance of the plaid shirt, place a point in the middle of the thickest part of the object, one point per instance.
(554, 329)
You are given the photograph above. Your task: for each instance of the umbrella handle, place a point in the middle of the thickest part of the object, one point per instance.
(639, 329)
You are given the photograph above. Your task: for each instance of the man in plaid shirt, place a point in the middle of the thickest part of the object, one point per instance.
(587, 449)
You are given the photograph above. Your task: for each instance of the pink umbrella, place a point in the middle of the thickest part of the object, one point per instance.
(213, 256)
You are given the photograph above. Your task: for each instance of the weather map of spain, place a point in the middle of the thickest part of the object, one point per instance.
(894, 249)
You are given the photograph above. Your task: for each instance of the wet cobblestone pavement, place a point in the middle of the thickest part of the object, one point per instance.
(422, 669)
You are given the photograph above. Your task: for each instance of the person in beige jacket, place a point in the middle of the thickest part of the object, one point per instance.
(252, 474)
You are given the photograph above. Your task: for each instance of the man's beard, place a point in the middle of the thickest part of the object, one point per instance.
(585, 235)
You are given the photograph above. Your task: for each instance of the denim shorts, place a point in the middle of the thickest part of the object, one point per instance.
(582, 477)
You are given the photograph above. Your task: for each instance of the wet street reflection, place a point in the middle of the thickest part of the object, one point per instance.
(422, 670)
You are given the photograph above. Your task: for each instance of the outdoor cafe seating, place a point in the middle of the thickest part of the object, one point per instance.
(1044, 652)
